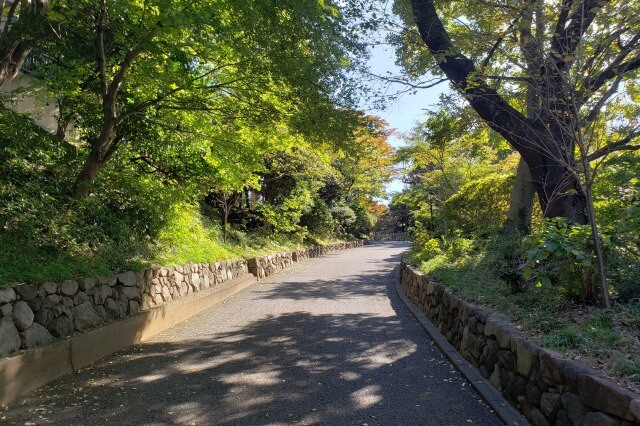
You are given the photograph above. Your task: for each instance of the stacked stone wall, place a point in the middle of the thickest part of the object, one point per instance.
(34, 315)
(546, 388)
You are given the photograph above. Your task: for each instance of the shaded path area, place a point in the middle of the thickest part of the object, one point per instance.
(326, 342)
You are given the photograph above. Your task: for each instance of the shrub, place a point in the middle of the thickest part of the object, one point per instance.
(318, 219)
(344, 218)
(562, 255)
(363, 223)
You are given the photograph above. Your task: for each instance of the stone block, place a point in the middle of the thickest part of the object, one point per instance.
(22, 315)
(533, 394)
(69, 288)
(26, 292)
(604, 395)
(134, 307)
(166, 295)
(574, 407)
(127, 279)
(195, 281)
(44, 317)
(112, 308)
(9, 337)
(490, 352)
(62, 309)
(100, 294)
(132, 293)
(80, 298)
(6, 310)
(527, 356)
(101, 314)
(550, 404)
(61, 326)
(634, 409)
(537, 418)
(87, 283)
(34, 336)
(600, 419)
(496, 377)
(49, 288)
(50, 301)
(84, 316)
(36, 303)
(157, 299)
(7, 295)
(146, 302)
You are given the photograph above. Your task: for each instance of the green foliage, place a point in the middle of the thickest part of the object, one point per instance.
(363, 223)
(318, 219)
(427, 248)
(544, 312)
(344, 218)
(481, 204)
(562, 255)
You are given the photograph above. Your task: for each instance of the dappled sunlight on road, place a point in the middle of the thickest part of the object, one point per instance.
(267, 358)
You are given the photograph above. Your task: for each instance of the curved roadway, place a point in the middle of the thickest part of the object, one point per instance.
(326, 342)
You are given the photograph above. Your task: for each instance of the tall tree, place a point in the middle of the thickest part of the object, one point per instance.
(233, 61)
(570, 56)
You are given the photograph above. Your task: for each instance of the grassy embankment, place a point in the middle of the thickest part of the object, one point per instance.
(606, 339)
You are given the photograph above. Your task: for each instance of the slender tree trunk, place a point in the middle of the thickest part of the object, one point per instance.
(90, 169)
(225, 223)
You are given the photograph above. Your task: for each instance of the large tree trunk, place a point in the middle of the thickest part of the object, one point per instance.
(521, 201)
(548, 158)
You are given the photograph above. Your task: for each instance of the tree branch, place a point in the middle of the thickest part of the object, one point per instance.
(613, 70)
(566, 39)
(620, 145)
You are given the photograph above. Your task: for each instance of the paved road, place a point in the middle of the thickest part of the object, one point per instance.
(327, 342)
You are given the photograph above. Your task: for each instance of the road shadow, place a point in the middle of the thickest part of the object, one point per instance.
(291, 368)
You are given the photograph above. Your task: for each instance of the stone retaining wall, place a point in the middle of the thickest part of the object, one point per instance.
(35, 315)
(547, 388)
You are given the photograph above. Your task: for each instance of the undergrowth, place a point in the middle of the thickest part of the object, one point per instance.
(606, 339)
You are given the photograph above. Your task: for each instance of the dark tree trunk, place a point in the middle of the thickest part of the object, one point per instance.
(101, 151)
(90, 169)
(554, 180)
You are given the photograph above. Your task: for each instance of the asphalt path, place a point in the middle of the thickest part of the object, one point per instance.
(326, 342)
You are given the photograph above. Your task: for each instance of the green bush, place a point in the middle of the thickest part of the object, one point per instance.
(318, 219)
(344, 218)
(562, 255)
(363, 224)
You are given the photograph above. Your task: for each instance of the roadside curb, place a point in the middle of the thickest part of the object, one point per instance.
(33, 368)
(492, 397)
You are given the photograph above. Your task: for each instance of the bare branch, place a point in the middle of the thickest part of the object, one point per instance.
(613, 70)
(620, 145)
(433, 83)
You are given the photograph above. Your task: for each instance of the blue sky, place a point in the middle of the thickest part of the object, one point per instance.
(402, 113)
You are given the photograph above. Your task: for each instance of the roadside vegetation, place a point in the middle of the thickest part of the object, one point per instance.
(456, 203)
(523, 187)
(183, 133)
